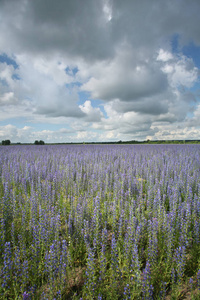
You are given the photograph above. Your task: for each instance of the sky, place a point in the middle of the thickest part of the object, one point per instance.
(99, 70)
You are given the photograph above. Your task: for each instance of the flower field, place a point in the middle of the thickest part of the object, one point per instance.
(100, 222)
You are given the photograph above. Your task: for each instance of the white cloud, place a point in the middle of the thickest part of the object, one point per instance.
(8, 99)
(181, 71)
(126, 77)
(13, 133)
(123, 125)
(164, 55)
(54, 69)
(6, 74)
(184, 73)
(94, 114)
(42, 83)
(27, 134)
(180, 132)
(107, 9)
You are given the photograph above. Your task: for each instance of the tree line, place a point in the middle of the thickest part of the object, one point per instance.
(39, 142)
(5, 142)
(8, 142)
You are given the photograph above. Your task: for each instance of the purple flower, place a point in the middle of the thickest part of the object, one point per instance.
(25, 296)
(198, 279)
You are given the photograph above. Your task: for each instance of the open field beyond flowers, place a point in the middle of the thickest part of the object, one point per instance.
(100, 222)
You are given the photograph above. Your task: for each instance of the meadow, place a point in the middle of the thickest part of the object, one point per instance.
(100, 222)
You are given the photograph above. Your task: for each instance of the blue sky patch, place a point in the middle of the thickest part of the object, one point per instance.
(9, 61)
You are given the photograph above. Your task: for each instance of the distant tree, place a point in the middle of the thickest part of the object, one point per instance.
(6, 142)
(39, 142)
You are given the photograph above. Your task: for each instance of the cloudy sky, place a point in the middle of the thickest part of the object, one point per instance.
(99, 70)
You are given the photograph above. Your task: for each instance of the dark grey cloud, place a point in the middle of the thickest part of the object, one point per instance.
(58, 103)
(152, 105)
(80, 27)
(74, 27)
(152, 22)
(59, 111)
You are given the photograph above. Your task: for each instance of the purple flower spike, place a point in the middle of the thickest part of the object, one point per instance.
(25, 296)
(198, 279)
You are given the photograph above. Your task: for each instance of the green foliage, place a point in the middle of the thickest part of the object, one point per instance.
(39, 142)
(6, 142)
